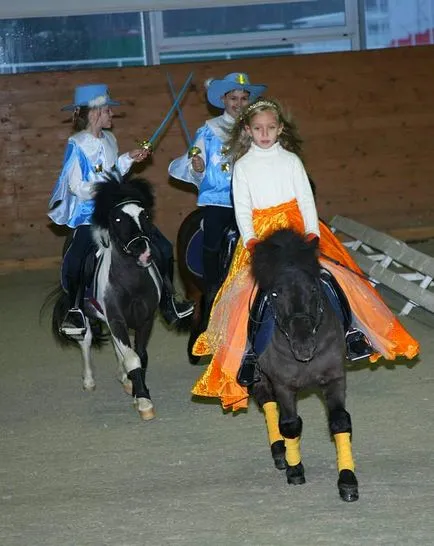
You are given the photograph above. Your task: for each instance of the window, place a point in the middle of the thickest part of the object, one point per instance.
(53, 43)
(225, 32)
(263, 29)
(254, 18)
(396, 23)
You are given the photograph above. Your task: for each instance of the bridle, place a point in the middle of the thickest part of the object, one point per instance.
(314, 320)
(126, 247)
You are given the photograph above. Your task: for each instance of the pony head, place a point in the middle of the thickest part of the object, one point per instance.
(123, 217)
(286, 267)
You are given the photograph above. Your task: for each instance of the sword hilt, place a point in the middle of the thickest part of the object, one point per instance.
(194, 151)
(145, 145)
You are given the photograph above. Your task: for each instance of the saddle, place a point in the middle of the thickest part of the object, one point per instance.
(261, 327)
(194, 251)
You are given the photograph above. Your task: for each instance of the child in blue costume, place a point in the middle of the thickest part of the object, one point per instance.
(91, 154)
(208, 166)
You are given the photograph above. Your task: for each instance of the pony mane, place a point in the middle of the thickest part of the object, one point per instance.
(278, 254)
(111, 193)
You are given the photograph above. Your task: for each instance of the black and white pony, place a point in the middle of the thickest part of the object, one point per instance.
(307, 349)
(124, 286)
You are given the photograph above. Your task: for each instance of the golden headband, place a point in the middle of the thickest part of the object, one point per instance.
(261, 104)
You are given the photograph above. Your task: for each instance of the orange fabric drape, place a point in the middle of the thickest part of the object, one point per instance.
(226, 335)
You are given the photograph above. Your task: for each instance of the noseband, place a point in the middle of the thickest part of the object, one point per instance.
(126, 248)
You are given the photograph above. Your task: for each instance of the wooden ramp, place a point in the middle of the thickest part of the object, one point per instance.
(389, 261)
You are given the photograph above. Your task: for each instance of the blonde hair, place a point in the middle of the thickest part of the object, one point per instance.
(240, 141)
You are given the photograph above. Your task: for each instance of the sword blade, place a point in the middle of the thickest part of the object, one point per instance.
(179, 110)
(178, 99)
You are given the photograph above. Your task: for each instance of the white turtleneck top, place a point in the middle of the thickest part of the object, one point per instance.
(265, 178)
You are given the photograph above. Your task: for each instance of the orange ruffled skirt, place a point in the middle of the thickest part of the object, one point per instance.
(226, 335)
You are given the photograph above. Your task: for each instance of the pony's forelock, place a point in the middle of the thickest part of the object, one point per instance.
(110, 193)
(277, 254)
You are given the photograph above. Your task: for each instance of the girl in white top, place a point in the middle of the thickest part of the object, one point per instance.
(271, 191)
(269, 173)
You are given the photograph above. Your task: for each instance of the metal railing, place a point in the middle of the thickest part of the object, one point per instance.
(15, 68)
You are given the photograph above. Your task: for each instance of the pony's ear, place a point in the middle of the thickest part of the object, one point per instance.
(311, 242)
(146, 191)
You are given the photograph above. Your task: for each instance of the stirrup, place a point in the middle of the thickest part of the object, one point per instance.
(182, 308)
(74, 324)
(358, 345)
(173, 311)
(248, 371)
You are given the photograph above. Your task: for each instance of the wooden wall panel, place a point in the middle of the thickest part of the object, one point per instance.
(367, 120)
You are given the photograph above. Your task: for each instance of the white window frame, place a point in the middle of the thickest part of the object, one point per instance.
(161, 45)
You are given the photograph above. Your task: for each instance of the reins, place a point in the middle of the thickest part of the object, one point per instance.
(340, 264)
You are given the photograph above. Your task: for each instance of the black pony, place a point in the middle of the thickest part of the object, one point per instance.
(189, 246)
(124, 287)
(307, 349)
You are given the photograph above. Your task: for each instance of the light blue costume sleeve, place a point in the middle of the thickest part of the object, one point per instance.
(64, 207)
(124, 163)
(181, 169)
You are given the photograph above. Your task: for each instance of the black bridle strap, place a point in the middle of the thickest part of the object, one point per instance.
(128, 202)
(126, 249)
(316, 321)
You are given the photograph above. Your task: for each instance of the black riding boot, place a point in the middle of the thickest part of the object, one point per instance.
(248, 372)
(212, 280)
(172, 309)
(358, 345)
(74, 323)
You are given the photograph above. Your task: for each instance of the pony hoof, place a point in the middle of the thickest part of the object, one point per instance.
(145, 408)
(348, 486)
(194, 359)
(278, 453)
(295, 474)
(89, 386)
(128, 387)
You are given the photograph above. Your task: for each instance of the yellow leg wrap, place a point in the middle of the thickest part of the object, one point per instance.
(344, 454)
(293, 455)
(272, 421)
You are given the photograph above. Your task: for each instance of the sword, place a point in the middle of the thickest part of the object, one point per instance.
(149, 144)
(179, 110)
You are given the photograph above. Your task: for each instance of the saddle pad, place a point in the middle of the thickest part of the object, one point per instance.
(265, 323)
(194, 253)
(333, 298)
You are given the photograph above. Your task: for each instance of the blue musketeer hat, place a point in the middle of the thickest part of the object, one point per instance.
(236, 80)
(95, 95)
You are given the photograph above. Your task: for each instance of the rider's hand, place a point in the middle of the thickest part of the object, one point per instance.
(250, 245)
(198, 164)
(139, 155)
(312, 238)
